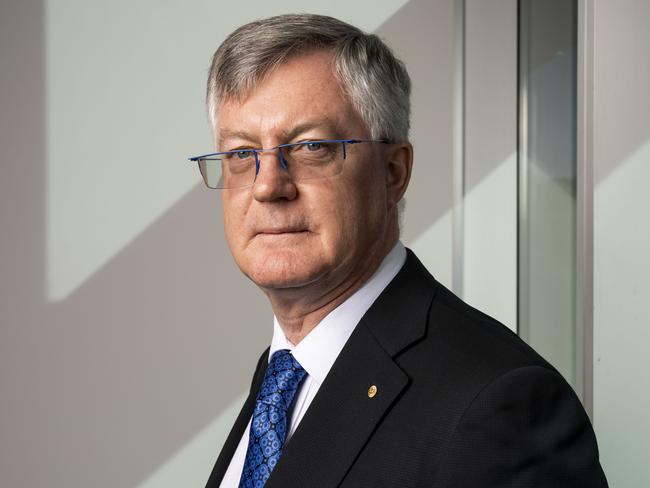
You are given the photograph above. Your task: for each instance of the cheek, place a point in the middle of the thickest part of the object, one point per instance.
(229, 231)
(332, 207)
(233, 218)
(348, 218)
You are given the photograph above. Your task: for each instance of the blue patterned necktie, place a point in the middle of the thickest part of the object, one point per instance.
(269, 423)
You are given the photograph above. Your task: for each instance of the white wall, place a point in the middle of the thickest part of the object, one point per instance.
(621, 164)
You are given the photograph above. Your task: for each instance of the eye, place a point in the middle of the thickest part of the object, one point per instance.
(313, 146)
(244, 154)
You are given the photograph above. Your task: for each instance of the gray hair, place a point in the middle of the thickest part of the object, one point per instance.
(375, 81)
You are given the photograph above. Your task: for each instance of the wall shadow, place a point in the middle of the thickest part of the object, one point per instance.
(100, 389)
(421, 33)
(22, 236)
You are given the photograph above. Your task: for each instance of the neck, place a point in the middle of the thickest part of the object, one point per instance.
(300, 310)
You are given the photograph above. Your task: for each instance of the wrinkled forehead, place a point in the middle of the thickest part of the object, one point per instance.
(316, 128)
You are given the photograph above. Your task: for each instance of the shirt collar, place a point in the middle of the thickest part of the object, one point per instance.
(320, 348)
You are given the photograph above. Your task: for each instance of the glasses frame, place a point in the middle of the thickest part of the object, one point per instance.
(278, 148)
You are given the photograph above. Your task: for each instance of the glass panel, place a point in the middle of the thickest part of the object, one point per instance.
(547, 180)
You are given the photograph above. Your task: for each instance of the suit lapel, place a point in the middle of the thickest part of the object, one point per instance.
(343, 415)
(229, 447)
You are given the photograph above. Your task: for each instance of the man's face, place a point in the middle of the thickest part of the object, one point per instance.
(323, 232)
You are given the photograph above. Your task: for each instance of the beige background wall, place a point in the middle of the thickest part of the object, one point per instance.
(127, 336)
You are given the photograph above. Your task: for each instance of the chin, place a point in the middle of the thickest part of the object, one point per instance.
(284, 268)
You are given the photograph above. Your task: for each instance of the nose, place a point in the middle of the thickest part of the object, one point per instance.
(273, 181)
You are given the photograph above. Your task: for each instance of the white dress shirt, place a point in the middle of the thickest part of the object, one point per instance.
(319, 349)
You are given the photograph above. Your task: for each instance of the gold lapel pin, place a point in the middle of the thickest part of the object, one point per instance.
(372, 391)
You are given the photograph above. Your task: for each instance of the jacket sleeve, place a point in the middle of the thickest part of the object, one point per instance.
(527, 429)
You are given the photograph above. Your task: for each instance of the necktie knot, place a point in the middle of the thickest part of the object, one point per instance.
(269, 423)
(281, 381)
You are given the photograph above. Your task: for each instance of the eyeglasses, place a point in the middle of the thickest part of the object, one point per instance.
(302, 161)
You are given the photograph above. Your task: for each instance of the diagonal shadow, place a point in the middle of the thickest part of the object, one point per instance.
(421, 33)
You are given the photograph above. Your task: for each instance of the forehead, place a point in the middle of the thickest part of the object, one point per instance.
(303, 94)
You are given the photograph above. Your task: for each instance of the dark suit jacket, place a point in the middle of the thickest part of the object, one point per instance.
(461, 402)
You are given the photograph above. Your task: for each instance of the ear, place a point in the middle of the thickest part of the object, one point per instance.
(399, 162)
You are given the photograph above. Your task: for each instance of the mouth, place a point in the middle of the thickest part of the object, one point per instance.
(281, 231)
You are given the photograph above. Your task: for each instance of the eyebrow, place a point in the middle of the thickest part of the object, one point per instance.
(333, 128)
(333, 131)
(226, 134)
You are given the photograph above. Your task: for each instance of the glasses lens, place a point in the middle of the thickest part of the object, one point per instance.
(228, 170)
(303, 161)
(315, 159)
(211, 172)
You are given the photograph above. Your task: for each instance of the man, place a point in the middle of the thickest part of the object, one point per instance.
(376, 375)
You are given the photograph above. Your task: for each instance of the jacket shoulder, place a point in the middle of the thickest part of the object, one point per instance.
(477, 338)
